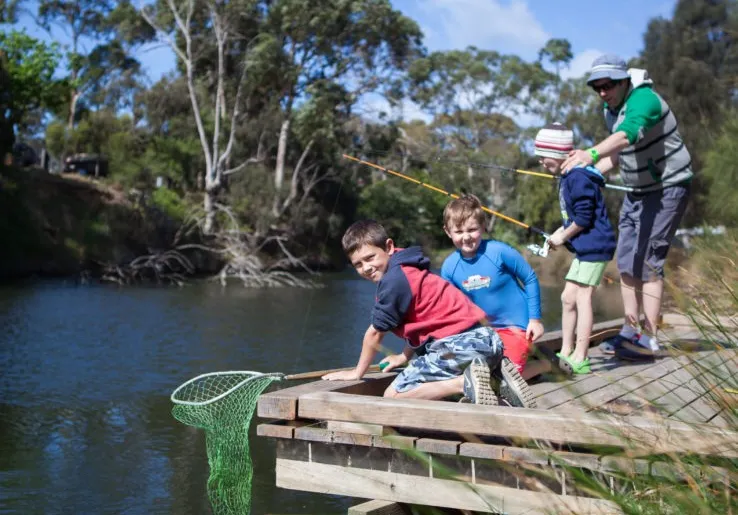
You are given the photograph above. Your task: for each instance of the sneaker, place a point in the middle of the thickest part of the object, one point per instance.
(577, 367)
(633, 352)
(513, 388)
(477, 387)
(611, 345)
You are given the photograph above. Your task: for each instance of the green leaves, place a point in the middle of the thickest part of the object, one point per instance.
(28, 84)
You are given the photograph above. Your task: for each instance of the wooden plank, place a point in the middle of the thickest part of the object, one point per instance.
(527, 424)
(601, 366)
(275, 430)
(377, 507)
(353, 427)
(616, 389)
(435, 446)
(427, 491)
(634, 383)
(394, 441)
(683, 394)
(282, 404)
(465, 449)
(593, 382)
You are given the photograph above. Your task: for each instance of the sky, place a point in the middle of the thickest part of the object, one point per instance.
(520, 27)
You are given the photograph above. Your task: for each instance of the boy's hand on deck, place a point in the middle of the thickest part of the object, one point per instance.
(534, 330)
(343, 375)
(394, 361)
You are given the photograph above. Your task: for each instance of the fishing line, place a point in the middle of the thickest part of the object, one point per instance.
(541, 251)
(311, 298)
(448, 194)
(492, 166)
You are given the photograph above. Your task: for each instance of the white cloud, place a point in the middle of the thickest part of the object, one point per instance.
(485, 24)
(581, 63)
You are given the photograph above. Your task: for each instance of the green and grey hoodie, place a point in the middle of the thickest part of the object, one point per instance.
(656, 157)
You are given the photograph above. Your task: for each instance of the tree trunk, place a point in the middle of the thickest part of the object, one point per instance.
(74, 98)
(209, 207)
(279, 169)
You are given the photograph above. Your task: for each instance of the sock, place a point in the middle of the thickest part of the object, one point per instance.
(628, 331)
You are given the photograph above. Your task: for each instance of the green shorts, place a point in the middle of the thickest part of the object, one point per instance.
(588, 273)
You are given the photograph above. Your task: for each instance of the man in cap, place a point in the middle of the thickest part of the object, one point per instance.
(645, 143)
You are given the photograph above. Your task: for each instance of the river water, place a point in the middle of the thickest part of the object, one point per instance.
(86, 372)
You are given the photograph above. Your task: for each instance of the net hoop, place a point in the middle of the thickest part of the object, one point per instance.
(252, 375)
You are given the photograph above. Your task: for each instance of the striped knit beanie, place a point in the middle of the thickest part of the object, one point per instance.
(554, 140)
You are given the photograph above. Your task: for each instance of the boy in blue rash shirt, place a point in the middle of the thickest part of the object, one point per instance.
(588, 229)
(498, 279)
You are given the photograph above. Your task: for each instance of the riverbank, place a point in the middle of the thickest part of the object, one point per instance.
(56, 226)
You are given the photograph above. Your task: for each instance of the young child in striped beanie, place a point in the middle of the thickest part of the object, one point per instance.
(587, 227)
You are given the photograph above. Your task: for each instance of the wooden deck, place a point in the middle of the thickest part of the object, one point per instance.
(681, 383)
(341, 438)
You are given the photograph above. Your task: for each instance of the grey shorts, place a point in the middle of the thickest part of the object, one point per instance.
(646, 227)
(447, 358)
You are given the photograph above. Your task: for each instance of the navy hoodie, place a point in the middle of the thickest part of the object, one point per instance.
(418, 305)
(581, 200)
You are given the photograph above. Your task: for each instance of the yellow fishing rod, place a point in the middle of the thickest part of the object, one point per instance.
(535, 249)
(523, 172)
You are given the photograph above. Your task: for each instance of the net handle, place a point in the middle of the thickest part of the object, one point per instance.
(252, 373)
(320, 373)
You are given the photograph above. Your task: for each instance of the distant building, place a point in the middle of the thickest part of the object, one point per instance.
(93, 165)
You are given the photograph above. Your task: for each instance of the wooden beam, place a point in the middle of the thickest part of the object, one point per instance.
(282, 404)
(639, 434)
(486, 451)
(359, 429)
(377, 507)
(378, 484)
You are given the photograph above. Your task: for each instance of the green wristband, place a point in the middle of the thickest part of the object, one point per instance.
(595, 155)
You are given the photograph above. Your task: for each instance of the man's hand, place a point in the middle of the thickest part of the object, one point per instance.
(534, 330)
(576, 158)
(343, 375)
(394, 361)
(557, 238)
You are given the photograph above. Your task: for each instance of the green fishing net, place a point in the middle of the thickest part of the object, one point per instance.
(223, 403)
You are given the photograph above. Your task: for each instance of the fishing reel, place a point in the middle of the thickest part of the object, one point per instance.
(539, 250)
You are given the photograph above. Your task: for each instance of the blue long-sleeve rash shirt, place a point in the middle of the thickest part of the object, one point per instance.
(498, 280)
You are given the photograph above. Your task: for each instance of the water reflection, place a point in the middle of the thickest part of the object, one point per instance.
(86, 374)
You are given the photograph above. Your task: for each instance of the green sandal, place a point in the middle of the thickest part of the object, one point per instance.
(577, 367)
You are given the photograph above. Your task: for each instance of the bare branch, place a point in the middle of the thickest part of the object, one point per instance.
(168, 40)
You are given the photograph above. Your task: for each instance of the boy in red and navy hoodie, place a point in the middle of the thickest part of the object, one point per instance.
(446, 330)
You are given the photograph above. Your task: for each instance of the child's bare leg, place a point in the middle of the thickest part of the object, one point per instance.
(584, 321)
(568, 317)
(431, 391)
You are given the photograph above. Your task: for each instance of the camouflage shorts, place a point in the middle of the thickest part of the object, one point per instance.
(447, 358)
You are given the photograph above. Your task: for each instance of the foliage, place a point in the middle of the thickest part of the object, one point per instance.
(27, 67)
(305, 67)
(720, 173)
(169, 202)
(411, 214)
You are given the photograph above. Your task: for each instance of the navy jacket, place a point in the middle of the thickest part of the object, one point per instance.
(581, 200)
(416, 304)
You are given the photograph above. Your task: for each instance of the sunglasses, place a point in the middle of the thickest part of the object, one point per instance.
(605, 86)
